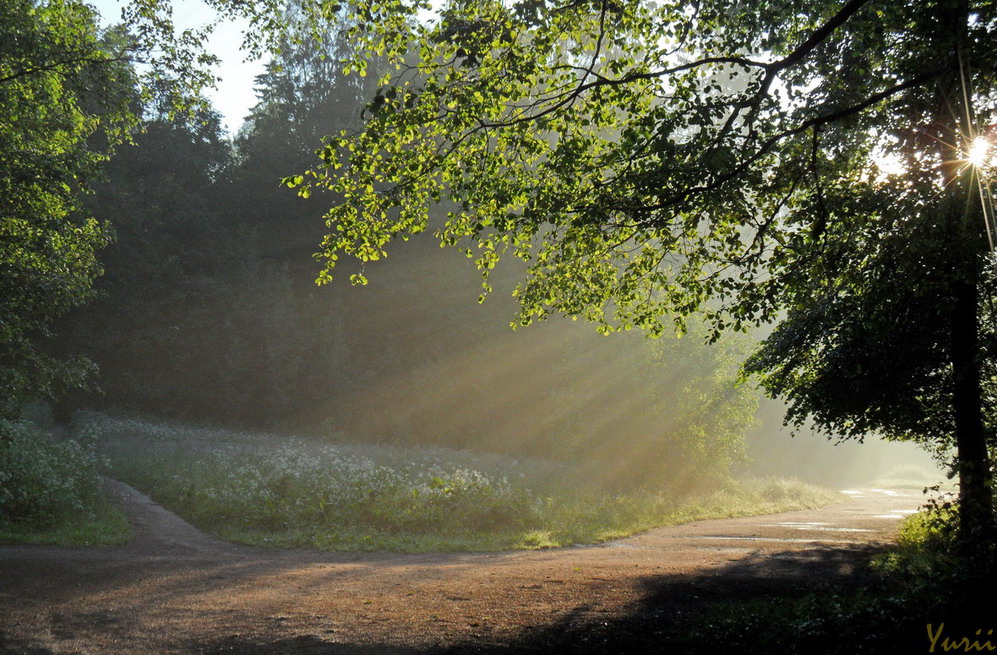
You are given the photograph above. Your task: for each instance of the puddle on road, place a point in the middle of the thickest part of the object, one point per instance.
(608, 544)
(790, 540)
(888, 492)
(816, 527)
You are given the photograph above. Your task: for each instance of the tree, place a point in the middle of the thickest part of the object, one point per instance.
(69, 96)
(301, 97)
(801, 163)
(302, 94)
(66, 99)
(201, 312)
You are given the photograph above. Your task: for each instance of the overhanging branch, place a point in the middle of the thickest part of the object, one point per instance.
(82, 61)
(774, 140)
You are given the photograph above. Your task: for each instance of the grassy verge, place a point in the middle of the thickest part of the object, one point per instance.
(550, 522)
(50, 492)
(275, 491)
(102, 524)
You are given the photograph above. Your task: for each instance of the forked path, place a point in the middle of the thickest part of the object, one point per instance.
(174, 589)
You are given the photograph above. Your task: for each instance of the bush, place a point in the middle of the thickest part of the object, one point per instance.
(925, 546)
(42, 481)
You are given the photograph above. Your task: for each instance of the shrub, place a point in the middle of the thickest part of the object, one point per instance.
(42, 480)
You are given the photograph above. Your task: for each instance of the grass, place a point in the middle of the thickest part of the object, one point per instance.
(102, 525)
(277, 491)
(909, 476)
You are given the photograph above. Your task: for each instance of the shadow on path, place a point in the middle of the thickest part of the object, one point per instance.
(657, 623)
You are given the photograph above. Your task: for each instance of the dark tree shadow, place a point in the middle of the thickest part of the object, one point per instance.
(675, 613)
(13, 646)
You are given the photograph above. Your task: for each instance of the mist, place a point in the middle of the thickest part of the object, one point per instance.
(775, 449)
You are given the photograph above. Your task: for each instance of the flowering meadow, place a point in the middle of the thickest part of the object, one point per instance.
(283, 491)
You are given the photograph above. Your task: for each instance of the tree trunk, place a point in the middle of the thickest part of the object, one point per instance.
(967, 250)
(976, 511)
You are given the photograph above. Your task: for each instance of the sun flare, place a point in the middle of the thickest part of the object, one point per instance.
(979, 152)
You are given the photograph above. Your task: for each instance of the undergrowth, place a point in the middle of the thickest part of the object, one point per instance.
(917, 597)
(50, 491)
(286, 492)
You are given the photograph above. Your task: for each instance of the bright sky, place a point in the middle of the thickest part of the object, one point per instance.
(234, 96)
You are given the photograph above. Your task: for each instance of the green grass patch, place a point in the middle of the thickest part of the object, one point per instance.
(911, 476)
(102, 525)
(277, 491)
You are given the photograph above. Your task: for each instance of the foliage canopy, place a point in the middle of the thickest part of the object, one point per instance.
(69, 95)
(65, 98)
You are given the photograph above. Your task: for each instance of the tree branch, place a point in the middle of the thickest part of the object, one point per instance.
(819, 35)
(772, 69)
(774, 140)
(59, 64)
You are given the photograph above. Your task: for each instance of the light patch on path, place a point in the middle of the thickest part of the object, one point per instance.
(897, 514)
(816, 527)
(888, 492)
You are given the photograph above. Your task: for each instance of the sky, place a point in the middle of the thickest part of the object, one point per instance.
(234, 96)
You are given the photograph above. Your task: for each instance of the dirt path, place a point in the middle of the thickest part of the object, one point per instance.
(174, 589)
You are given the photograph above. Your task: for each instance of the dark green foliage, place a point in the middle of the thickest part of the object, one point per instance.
(43, 482)
(68, 97)
(872, 360)
(302, 98)
(200, 315)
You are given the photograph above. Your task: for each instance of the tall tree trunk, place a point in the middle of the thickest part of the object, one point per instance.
(967, 251)
(976, 511)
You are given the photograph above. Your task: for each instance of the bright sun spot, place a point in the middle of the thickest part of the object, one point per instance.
(979, 152)
(889, 164)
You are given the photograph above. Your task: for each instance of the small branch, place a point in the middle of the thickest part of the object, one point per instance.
(818, 36)
(822, 214)
(60, 64)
